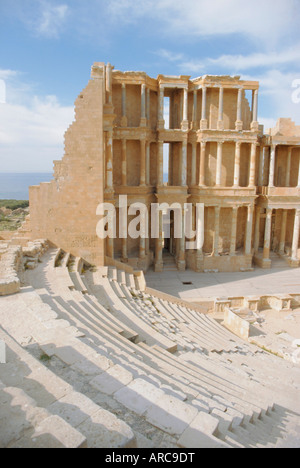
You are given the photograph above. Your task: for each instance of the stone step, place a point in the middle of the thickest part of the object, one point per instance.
(78, 283)
(130, 281)
(73, 411)
(52, 432)
(128, 317)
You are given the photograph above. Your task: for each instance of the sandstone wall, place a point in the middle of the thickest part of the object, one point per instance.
(64, 210)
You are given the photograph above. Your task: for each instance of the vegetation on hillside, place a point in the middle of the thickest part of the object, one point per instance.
(12, 214)
(14, 204)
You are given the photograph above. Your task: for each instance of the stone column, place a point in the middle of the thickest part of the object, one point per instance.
(202, 164)
(181, 256)
(148, 237)
(147, 163)
(257, 229)
(298, 185)
(142, 253)
(203, 122)
(261, 166)
(239, 123)
(267, 240)
(233, 231)
(124, 117)
(283, 231)
(219, 163)
(124, 163)
(143, 163)
(249, 227)
(161, 122)
(194, 122)
(143, 122)
(185, 122)
(124, 251)
(220, 125)
(160, 163)
(217, 231)
(109, 161)
(184, 164)
(237, 164)
(148, 106)
(110, 247)
(288, 168)
(109, 69)
(194, 163)
(252, 165)
(158, 267)
(124, 229)
(272, 166)
(295, 243)
(266, 165)
(254, 124)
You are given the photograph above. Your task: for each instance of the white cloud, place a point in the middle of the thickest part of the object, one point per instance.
(31, 133)
(2, 92)
(43, 18)
(238, 63)
(51, 20)
(267, 20)
(276, 90)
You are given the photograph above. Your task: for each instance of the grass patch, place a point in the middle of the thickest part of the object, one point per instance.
(45, 358)
(14, 204)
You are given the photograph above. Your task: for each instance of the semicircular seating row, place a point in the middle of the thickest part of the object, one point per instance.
(176, 369)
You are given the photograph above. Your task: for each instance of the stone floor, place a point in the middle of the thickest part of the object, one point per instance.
(282, 280)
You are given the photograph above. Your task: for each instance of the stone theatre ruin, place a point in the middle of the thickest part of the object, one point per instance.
(174, 140)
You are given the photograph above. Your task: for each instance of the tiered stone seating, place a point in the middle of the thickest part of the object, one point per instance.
(175, 374)
(40, 410)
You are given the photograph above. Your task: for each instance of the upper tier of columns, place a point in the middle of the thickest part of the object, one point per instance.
(145, 108)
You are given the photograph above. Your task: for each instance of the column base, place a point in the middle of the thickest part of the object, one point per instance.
(293, 262)
(124, 122)
(158, 267)
(181, 265)
(220, 125)
(203, 124)
(254, 126)
(264, 263)
(199, 262)
(194, 126)
(239, 125)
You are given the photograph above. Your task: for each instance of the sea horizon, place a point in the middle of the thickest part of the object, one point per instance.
(15, 185)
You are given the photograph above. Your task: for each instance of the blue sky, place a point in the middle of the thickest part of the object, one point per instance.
(47, 48)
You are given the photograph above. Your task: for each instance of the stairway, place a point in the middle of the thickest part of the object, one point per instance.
(169, 261)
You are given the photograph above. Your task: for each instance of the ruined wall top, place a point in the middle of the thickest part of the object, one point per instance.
(285, 127)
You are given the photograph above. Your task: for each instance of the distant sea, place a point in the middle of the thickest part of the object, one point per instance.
(14, 186)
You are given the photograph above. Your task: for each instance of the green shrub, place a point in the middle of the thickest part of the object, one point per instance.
(14, 204)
